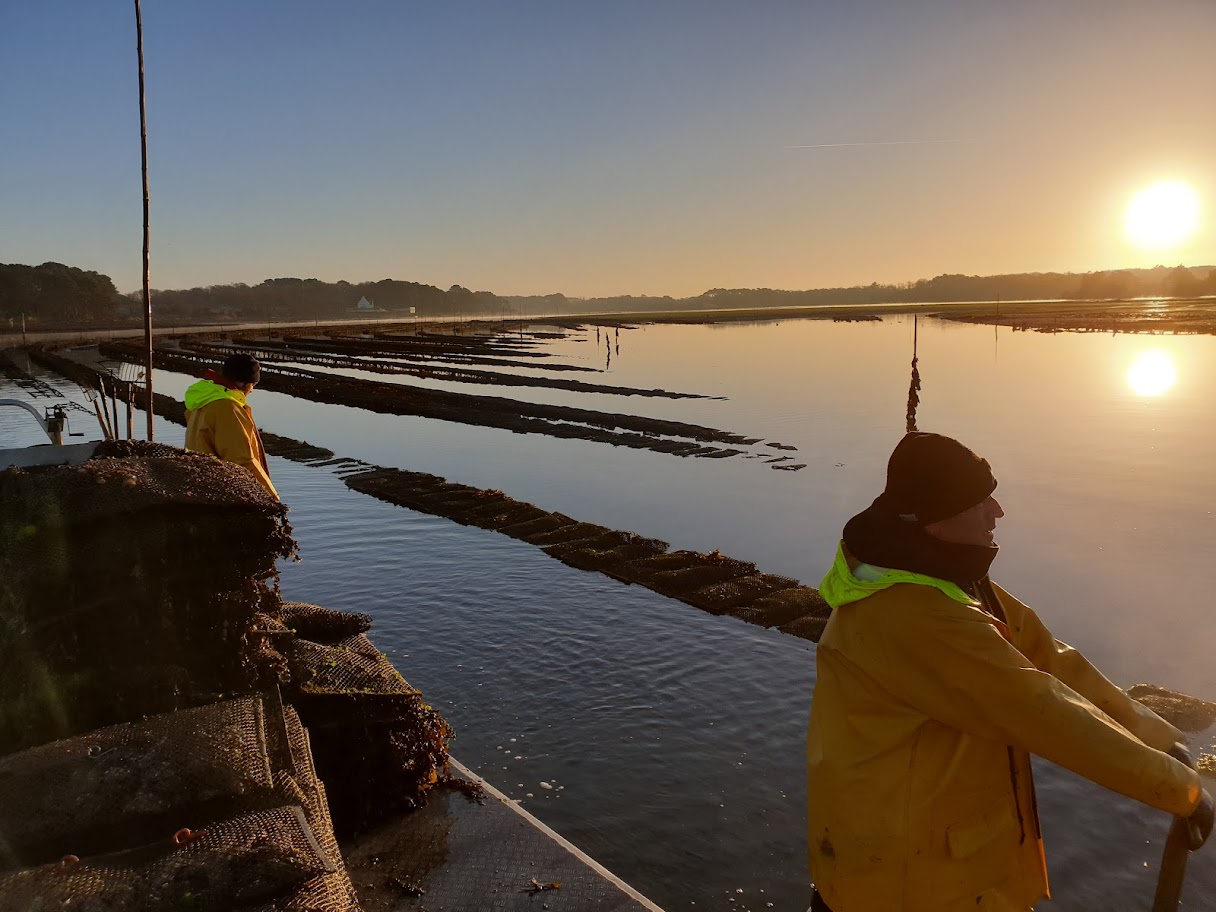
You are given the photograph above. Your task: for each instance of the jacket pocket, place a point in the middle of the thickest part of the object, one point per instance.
(968, 837)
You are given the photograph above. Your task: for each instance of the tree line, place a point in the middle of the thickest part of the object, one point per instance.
(1166, 281)
(53, 294)
(285, 299)
(56, 294)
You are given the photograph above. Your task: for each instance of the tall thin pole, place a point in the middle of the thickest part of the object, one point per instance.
(914, 383)
(143, 149)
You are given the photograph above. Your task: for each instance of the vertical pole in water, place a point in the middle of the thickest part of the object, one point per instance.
(105, 402)
(130, 419)
(143, 149)
(914, 383)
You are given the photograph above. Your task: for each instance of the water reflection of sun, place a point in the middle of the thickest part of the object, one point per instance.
(1152, 373)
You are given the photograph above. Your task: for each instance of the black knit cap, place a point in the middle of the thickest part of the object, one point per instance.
(242, 369)
(931, 477)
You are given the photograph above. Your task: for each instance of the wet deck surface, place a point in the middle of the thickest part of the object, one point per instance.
(456, 855)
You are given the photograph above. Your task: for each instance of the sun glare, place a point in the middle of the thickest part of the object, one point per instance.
(1152, 373)
(1162, 215)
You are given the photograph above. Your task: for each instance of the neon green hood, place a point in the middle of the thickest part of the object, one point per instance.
(840, 586)
(205, 392)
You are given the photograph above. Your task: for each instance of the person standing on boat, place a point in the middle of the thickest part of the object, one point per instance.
(219, 421)
(933, 688)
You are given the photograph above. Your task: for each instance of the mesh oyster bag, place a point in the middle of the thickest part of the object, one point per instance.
(233, 864)
(376, 742)
(121, 785)
(322, 625)
(142, 557)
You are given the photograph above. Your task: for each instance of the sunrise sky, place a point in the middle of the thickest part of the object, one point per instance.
(625, 147)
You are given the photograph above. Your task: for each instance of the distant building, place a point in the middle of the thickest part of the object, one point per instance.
(365, 304)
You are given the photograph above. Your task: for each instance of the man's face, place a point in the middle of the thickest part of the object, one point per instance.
(973, 526)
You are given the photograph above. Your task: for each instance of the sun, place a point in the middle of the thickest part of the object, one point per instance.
(1152, 373)
(1162, 215)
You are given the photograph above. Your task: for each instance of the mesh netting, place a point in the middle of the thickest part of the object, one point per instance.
(719, 598)
(375, 740)
(564, 534)
(646, 568)
(227, 865)
(680, 583)
(139, 449)
(788, 607)
(330, 892)
(349, 667)
(322, 625)
(541, 524)
(143, 558)
(808, 627)
(587, 556)
(607, 542)
(128, 476)
(499, 516)
(120, 785)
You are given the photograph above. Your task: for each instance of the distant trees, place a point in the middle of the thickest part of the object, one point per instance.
(1028, 286)
(282, 299)
(55, 293)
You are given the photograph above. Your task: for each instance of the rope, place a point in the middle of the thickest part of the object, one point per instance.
(914, 384)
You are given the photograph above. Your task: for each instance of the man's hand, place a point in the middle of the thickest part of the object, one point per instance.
(1199, 824)
(1182, 754)
(1200, 821)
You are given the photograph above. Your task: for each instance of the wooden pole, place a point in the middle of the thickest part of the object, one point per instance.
(105, 404)
(130, 418)
(100, 420)
(143, 148)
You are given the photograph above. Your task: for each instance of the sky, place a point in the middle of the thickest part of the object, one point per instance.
(625, 147)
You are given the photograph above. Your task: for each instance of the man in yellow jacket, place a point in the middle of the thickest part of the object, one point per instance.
(933, 688)
(219, 422)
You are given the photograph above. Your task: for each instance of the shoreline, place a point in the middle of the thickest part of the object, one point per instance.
(1158, 314)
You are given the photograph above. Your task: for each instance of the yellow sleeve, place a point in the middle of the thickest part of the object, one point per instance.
(948, 662)
(1036, 642)
(236, 441)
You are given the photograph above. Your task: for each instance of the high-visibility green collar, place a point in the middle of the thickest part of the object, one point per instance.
(840, 586)
(205, 392)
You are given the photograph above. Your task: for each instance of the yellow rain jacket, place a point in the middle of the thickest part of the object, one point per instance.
(925, 713)
(219, 422)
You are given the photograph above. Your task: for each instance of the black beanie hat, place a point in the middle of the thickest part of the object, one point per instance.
(931, 477)
(242, 369)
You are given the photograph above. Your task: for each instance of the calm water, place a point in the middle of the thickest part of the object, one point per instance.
(676, 736)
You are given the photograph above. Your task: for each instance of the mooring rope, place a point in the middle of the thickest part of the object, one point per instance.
(914, 384)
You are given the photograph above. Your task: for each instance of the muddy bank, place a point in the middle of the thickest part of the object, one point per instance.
(1182, 315)
(631, 431)
(1151, 316)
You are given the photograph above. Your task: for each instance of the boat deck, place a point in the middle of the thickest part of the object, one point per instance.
(459, 855)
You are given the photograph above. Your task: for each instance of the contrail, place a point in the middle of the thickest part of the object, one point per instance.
(897, 142)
